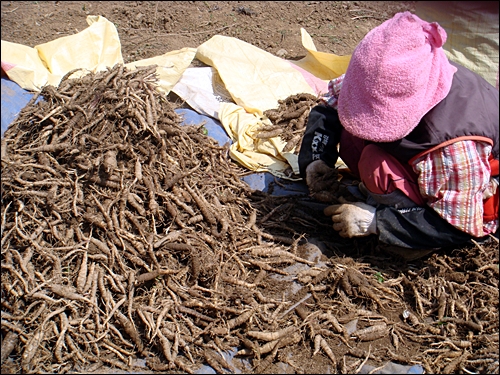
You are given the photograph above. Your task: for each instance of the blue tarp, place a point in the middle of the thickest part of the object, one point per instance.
(14, 98)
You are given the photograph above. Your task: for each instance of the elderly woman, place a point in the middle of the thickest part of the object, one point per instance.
(421, 134)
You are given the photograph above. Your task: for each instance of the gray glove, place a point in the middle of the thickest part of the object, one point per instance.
(353, 219)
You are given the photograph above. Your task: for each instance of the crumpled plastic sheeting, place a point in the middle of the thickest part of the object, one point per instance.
(203, 90)
(91, 50)
(171, 66)
(392, 368)
(258, 155)
(255, 78)
(256, 81)
(212, 127)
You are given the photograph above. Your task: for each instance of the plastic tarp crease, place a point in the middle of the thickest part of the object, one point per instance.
(170, 67)
(258, 155)
(203, 90)
(323, 65)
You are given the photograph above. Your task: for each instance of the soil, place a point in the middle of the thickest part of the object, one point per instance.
(222, 289)
(152, 28)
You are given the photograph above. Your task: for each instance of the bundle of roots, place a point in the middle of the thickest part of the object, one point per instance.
(289, 120)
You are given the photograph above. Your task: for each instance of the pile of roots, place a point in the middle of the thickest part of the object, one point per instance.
(125, 235)
(289, 120)
(121, 229)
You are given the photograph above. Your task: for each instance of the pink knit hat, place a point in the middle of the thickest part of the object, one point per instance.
(397, 74)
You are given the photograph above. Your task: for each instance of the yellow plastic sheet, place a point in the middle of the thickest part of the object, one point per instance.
(255, 78)
(256, 81)
(171, 66)
(23, 66)
(323, 65)
(258, 155)
(91, 50)
(94, 48)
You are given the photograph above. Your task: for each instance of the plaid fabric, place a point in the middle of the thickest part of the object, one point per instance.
(332, 97)
(452, 179)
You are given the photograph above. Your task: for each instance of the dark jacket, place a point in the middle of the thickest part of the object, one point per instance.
(469, 111)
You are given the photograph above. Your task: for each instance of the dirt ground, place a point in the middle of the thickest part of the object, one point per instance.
(149, 28)
(343, 303)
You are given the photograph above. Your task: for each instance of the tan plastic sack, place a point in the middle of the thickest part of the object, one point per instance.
(171, 66)
(255, 78)
(258, 155)
(92, 49)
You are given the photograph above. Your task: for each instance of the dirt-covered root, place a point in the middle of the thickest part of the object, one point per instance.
(289, 120)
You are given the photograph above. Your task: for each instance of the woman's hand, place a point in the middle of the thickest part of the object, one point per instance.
(322, 181)
(353, 219)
